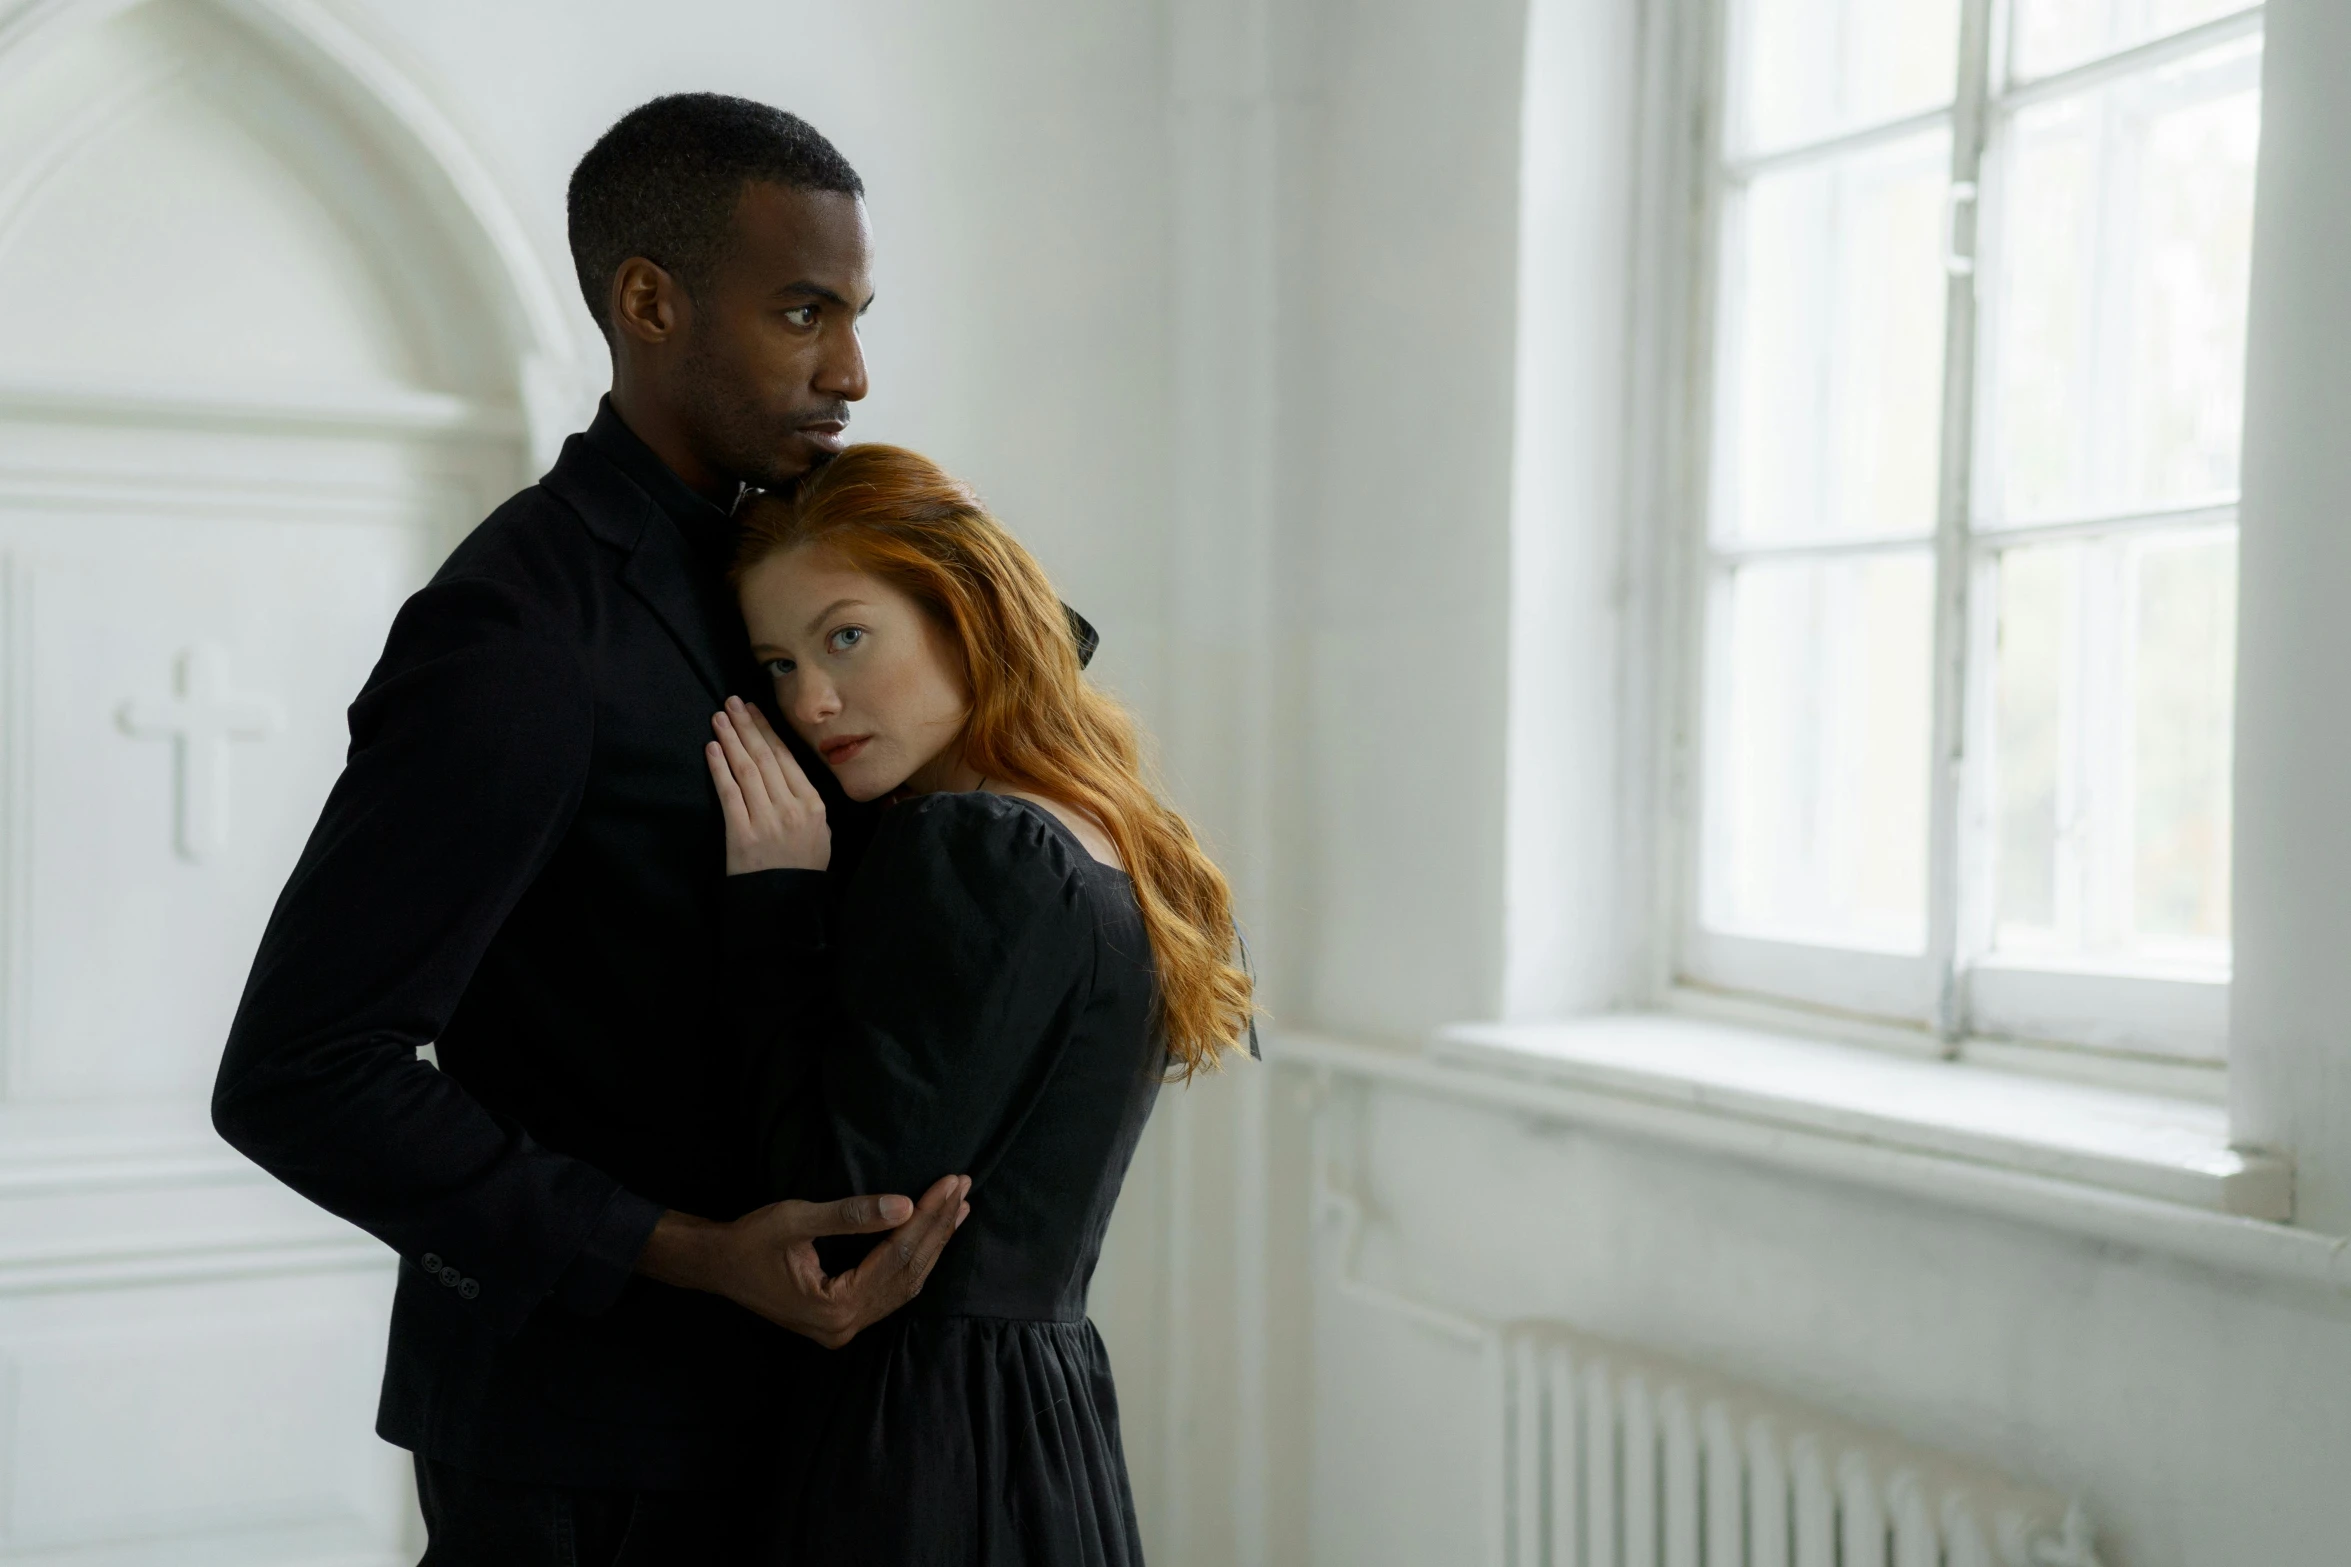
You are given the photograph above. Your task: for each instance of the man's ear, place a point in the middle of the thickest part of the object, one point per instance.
(647, 303)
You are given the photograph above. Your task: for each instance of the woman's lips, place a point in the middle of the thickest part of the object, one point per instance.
(835, 752)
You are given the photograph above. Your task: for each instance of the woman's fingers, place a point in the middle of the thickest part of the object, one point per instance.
(746, 770)
(774, 818)
(786, 774)
(765, 750)
(730, 798)
(795, 775)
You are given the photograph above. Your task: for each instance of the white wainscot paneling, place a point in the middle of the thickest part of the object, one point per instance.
(282, 320)
(224, 1421)
(183, 687)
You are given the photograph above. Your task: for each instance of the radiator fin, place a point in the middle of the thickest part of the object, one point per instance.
(1619, 1458)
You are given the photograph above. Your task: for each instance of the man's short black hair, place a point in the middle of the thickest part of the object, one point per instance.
(663, 183)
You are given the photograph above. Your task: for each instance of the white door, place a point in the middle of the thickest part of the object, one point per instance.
(237, 425)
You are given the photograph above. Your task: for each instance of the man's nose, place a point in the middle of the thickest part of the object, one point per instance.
(841, 373)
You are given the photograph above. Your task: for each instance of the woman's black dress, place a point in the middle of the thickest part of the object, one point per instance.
(991, 1014)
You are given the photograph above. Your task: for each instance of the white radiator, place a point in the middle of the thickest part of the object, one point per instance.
(1619, 1459)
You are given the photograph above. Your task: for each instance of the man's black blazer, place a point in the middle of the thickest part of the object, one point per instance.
(521, 865)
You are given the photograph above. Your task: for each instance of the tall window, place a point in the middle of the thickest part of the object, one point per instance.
(1971, 540)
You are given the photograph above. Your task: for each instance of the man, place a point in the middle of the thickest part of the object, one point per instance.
(521, 866)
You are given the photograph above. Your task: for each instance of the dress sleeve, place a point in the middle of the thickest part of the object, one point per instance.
(469, 756)
(779, 1002)
(962, 947)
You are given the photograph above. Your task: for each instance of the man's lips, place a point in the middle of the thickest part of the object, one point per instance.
(835, 752)
(825, 434)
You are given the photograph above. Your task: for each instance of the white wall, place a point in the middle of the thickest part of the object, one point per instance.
(2293, 894)
(1404, 582)
(2203, 1416)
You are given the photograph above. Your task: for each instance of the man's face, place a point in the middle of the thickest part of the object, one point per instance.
(771, 360)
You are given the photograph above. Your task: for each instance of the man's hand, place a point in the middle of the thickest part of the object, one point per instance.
(766, 1260)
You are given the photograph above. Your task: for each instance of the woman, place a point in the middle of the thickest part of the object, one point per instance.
(1028, 945)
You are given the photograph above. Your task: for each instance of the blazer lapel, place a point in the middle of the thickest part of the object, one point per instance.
(659, 569)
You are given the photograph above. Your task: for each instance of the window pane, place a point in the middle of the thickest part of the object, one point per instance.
(2126, 237)
(2187, 656)
(2033, 702)
(1815, 67)
(1817, 808)
(2052, 35)
(1834, 382)
(2113, 700)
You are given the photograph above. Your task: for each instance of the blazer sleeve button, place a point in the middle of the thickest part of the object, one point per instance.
(450, 1276)
(467, 1289)
(432, 1262)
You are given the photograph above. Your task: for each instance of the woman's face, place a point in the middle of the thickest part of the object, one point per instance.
(860, 672)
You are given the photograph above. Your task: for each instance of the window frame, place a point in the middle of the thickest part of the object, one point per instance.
(1958, 991)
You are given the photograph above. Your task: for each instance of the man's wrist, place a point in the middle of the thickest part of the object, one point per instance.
(688, 1251)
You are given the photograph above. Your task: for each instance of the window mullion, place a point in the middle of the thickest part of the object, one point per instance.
(1970, 122)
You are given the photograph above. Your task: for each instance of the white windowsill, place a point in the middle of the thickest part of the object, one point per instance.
(2139, 1169)
(2174, 1150)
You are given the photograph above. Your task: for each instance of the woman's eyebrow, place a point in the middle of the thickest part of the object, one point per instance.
(826, 613)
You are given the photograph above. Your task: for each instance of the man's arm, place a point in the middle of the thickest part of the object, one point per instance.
(469, 751)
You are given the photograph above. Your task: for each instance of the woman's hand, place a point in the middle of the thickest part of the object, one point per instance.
(775, 817)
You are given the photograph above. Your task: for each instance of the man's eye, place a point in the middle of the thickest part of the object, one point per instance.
(777, 668)
(847, 637)
(801, 315)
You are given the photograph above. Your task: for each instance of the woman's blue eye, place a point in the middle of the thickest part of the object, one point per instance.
(846, 638)
(777, 668)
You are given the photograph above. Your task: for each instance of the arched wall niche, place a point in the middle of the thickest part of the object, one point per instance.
(243, 203)
(275, 343)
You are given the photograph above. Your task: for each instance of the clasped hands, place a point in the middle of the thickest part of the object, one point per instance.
(766, 1261)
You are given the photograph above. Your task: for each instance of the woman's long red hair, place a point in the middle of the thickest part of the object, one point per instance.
(1036, 722)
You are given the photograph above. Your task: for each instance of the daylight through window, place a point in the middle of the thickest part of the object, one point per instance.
(1978, 390)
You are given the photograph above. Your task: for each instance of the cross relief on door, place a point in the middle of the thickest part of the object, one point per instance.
(201, 717)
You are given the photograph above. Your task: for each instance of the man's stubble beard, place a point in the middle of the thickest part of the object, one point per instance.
(738, 440)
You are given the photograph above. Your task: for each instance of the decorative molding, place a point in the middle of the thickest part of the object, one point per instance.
(16, 846)
(203, 1260)
(546, 349)
(88, 121)
(200, 718)
(385, 411)
(125, 1210)
(82, 1176)
(413, 503)
(545, 336)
